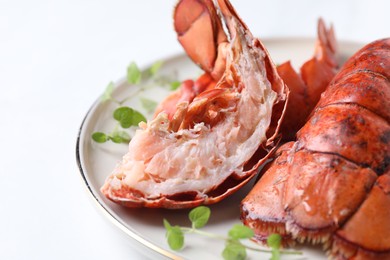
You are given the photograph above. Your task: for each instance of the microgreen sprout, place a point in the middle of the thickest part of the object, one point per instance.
(274, 241)
(148, 104)
(175, 85)
(234, 248)
(155, 67)
(126, 116)
(107, 95)
(133, 74)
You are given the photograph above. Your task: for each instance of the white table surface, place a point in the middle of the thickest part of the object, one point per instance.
(56, 57)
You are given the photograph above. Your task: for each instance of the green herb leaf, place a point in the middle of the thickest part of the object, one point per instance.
(108, 92)
(174, 235)
(122, 112)
(234, 251)
(199, 216)
(175, 85)
(240, 231)
(120, 137)
(116, 139)
(100, 137)
(275, 254)
(124, 135)
(127, 117)
(155, 67)
(123, 115)
(137, 118)
(148, 104)
(167, 225)
(274, 241)
(133, 74)
(175, 238)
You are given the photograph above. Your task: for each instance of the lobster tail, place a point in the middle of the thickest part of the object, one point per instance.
(333, 184)
(202, 151)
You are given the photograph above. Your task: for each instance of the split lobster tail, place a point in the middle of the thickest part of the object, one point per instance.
(203, 150)
(332, 186)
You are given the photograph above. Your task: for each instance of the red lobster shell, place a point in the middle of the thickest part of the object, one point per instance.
(332, 186)
(212, 145)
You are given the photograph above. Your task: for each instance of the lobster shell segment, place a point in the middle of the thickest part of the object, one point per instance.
(201, 34)
(372, 242)
(332, 186)
(205, 151)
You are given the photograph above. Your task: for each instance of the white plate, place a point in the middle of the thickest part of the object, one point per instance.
(146, 225)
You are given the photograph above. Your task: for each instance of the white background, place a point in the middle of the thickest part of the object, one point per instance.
(56, 57)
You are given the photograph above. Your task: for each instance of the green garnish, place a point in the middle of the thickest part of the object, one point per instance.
(175, 85)
(120, 137)
(234, 251)
(126, 116)
(155, 67)
(174, 235)
(240, 231)
(148, 104)
(133, 74)
(234, 248)
(100, 137)
(115, 136)
(108, 92)
(274, 241)
(199, 216)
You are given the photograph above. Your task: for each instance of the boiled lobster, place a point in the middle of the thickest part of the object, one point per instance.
(332, 185)
(209, 138)
(214, 143)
